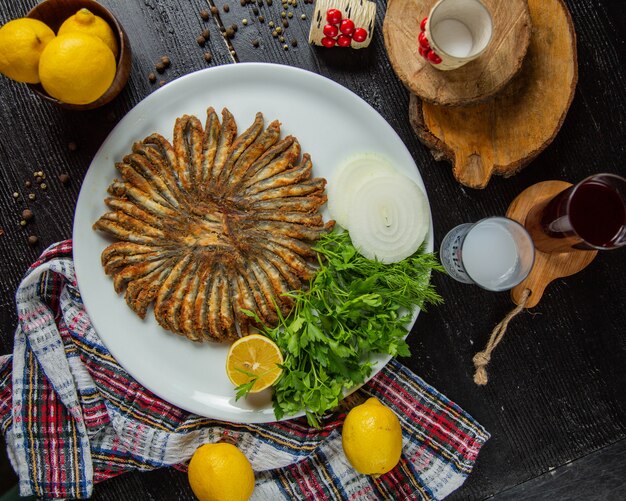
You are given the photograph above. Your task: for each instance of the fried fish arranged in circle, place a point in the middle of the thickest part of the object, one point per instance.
(213, 224)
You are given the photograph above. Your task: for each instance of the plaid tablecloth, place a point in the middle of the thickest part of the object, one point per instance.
(72, 417)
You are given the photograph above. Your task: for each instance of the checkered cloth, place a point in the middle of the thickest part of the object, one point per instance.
(72, 417)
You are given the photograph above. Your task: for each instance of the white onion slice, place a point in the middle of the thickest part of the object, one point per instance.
(348, 180)
(389, 218)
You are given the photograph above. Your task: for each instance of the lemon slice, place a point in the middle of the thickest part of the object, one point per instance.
(251, 357)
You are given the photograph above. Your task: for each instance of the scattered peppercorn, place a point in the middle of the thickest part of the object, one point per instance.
(255, 43)
(274, 33)
(285, 6)
(43, 186)
(261, 19)
(152, 77)
(230, 33)
(285, 23)
(269, 3)
(201, 40)
(204, 14)
(16, 194)
(294, 43)
(23, 223)
(214, 10)
(283, 15)
(260, 3)
(243, 2)
(281, 39)
(206, 34)
(208, 56)
(31, 196)
(226, 7)
(64, 178)
(33, 240)
(166, 60)
(72, 146)
(28, 184)
(162, 83)
(285, 46)
(303, 17)
(271, 24)
(290, 15)
(255, 11)
(160, 67)
(244, 21)
(27, 214)
(234, 27)
(279, 29)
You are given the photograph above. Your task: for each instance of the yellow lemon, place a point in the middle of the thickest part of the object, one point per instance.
(220, 472)
(76, 68)
(254, 357)
(372, 438)
(85, 21)
(21, 44)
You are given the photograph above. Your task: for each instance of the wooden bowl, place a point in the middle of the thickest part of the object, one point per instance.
(54, 13)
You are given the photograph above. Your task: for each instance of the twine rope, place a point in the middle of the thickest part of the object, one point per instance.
(482, 358)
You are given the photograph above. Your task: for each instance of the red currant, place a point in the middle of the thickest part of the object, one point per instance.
(347, 27)
(333, 16)
(344, 41)
(433, 58)
(331, 31)
(423, 24)
(328, 42)
(423, 40)
(423, 52)
(359, 35)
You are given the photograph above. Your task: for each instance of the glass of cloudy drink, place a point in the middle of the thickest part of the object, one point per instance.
(495, 253)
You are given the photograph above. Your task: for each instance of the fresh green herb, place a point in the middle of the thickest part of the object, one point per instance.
(353, 308)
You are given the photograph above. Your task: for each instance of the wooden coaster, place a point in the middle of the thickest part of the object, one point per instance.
(505, 134)
(473, 82)
(547, 267)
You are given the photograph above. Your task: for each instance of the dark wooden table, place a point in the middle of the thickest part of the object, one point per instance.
(558, 381)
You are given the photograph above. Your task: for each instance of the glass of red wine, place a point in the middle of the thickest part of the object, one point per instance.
(590, 215)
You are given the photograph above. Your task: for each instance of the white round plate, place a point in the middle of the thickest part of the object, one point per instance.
(331, 123)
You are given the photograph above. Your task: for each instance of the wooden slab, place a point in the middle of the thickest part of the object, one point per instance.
(547, 267)
(503, 135)
(473, 82)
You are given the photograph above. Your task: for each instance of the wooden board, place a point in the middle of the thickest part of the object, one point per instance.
(471, 83)
(503, 135)
(547, 267)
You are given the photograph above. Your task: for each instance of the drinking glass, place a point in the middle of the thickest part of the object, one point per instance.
(458, 31)
(495, 253)
(590, 215)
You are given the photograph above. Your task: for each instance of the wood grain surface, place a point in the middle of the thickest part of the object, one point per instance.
(557, 382)
(503, 135)
(474, 82)
(547, 267)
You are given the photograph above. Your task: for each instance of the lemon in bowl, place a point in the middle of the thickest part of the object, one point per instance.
(54, 13)
(85, 21)
(76, 68)
(21, 43)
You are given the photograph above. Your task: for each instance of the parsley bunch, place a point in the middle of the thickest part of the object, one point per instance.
(353, 308)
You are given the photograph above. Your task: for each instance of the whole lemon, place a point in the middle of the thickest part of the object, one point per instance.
(21, 44)
(76, 68)
(372, 438)
(220, 472)
(85, 21)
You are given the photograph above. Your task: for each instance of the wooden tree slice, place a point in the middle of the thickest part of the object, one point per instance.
(503, 135)
(547, 267)
(473, 82)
